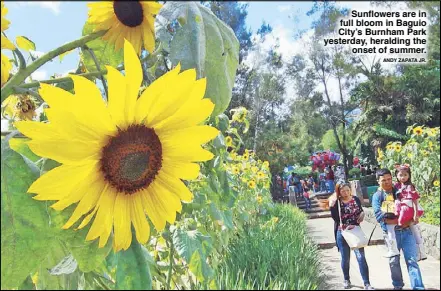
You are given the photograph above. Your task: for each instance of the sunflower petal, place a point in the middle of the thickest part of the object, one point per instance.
(33, 129)
(173, 97)
(187, 116)
(87, 219)
(151, 6)
(86, 92)
(66, 151)
(102, 224)
(77, 193)
(121, 221)
(195, 135)
(160, 205)
(61, 179)
(175, 186)
(117, 91)
(139, 220)
(133, 77)
(152, 93)
(183, 170)
(188, 153)
(88, 202)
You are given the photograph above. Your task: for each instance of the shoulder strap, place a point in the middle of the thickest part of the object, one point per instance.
(339, 211)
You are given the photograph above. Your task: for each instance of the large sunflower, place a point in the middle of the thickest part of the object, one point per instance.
(131, 20)
(126, 159)
(6, 65)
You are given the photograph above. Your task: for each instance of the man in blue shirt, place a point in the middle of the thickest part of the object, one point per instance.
(405, 239)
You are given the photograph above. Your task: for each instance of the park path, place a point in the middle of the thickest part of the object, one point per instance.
(321, 231)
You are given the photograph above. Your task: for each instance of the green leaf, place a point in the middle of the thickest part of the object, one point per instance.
(20, 146)
(207, 44)
(132, 271)
(104, 52)
(25, 43)
(187, 244)
(199, 267)
(26, 235)
(87, 253)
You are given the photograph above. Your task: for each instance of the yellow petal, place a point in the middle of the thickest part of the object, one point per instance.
(66, 151)
(66, 124)
(6, 43)
(187, 153)
(90, 116)
(139, 220)
(88, 202)
(86, 92)
(160, 205)
(148, 37)
(187, 116)
(102, 225)
(174, 185)
(117, 92)
(33, 129)
(196, 135)
(61, 179)
(56, 97)
(133, 77)
(152, 93)
(87, 219)
(173, 97)
(182, 170)
(78, 191)
(121, 222)
(151, 7)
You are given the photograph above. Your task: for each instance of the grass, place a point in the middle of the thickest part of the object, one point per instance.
(272, 255)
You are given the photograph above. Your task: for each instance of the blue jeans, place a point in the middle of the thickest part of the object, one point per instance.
(406, 242)
(345, 252)
(308, 202)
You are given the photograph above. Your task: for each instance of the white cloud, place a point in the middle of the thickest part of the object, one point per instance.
(39, 75)
(284, 8)
(54, 6)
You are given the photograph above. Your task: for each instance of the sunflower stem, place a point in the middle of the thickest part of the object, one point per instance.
(21, 59)
(170, 269)
(23, 73)
(97, 65)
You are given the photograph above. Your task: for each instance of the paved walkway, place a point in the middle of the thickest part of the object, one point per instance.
(321, 231)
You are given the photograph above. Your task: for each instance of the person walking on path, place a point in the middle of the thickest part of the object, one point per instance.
(405, 239)
(352, 214)
(330, 179)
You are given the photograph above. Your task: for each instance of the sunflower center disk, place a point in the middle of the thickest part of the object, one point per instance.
(131, 160)
(130, 13)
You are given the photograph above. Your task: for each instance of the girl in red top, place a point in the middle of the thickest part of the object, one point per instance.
(407, 205)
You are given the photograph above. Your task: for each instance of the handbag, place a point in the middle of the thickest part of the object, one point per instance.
(355, 237)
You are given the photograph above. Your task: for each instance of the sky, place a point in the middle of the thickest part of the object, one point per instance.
(51, 24)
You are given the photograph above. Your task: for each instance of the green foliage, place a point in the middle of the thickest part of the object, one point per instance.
(205, 43)
(20, 146)
(26, 235)
(422, 153)
(354, 172)
(132, 272)
(104, 52)
(273, 253)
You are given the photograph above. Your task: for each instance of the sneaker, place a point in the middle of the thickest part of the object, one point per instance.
(368, 287)
(347, 284)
